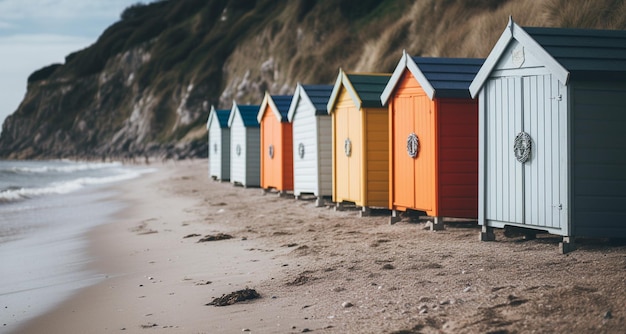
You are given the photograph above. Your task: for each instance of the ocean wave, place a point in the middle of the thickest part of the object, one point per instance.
(15, 194)
(76, 167)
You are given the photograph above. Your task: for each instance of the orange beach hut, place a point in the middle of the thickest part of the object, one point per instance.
(276, 143)
(433, 137)
(360, 140)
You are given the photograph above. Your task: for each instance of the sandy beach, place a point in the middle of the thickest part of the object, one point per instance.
(324, 271)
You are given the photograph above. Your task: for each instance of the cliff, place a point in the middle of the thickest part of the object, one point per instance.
(145, 87)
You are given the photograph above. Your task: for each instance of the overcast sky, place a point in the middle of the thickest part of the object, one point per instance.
(37, 33)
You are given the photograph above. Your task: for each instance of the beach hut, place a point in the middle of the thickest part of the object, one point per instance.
(552, 139)
(245, 162)
(360, 136)
(433, 137)
(219, 144)
(312, 145)
(276, 143)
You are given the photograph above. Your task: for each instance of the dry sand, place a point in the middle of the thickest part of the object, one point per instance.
(324, 271)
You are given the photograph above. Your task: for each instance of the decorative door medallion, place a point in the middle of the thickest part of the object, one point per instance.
(271, 151)
(347, 147)
(522, 147)
(412, 145)
(301, 150)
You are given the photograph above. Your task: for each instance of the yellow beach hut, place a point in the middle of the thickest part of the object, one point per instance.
(360, 136)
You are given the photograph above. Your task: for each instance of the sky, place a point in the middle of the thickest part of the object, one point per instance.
(37, 33)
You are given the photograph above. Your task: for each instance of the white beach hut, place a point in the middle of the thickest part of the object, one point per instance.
(552, 144)
(245, 146)
(312, 141)
(219, 144)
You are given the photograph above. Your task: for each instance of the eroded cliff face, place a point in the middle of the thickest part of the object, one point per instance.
(106, 115)
(145, 88)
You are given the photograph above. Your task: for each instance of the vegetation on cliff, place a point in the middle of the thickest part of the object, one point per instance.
(145, 87)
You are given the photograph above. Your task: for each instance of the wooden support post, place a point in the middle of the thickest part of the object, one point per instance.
(395, 217)
(437, 224)
(339, 206)
(486, 234)
(319, 201)
(567, 245)
(365, 211)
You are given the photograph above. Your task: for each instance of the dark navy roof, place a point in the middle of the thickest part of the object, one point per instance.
(282, 102)
(248, 115)
(369, 87)
(450, 77)
(585, 52)
(319, 95)
(222, 117)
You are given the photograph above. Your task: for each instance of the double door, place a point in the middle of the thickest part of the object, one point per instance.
(348, 153)
(413, 153)
(525, 151)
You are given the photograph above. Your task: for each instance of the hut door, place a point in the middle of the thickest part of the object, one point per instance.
(413, 160)
(541, 144)
(270, 150)
(525, 128)
(403, 164)
(348, 154)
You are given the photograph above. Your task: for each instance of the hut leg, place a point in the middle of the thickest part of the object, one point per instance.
(319, 202)
(282, 193)
(436, 224)
(339, 206)
(486, 234)
(395, 217)
(567, 245)
(365, 211)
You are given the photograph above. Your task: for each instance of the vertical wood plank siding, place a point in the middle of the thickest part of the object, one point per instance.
(458, 157)
(347, 182)
(215, 159)
(238, 161)
(305, 133)
(270, 171)
(276, 171)
(377, 146)
(224, 149)
(503, 174)
(442, 179)
(252, 157)
(599, 157)
(529, 193)
(325, 160)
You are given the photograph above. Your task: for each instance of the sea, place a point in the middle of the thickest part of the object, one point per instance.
(46, 209)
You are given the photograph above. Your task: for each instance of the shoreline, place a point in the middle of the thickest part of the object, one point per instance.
(160, 271)
(324, 271)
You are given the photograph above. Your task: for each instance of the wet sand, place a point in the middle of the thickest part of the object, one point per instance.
(324, 271)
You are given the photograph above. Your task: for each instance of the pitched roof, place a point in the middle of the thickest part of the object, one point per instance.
(248, 115)
(316, 95)
(580, 54)
(439, 77)
(221, 115)
(319, 95)
(279, 105)
(364, 88)
(584, 52)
